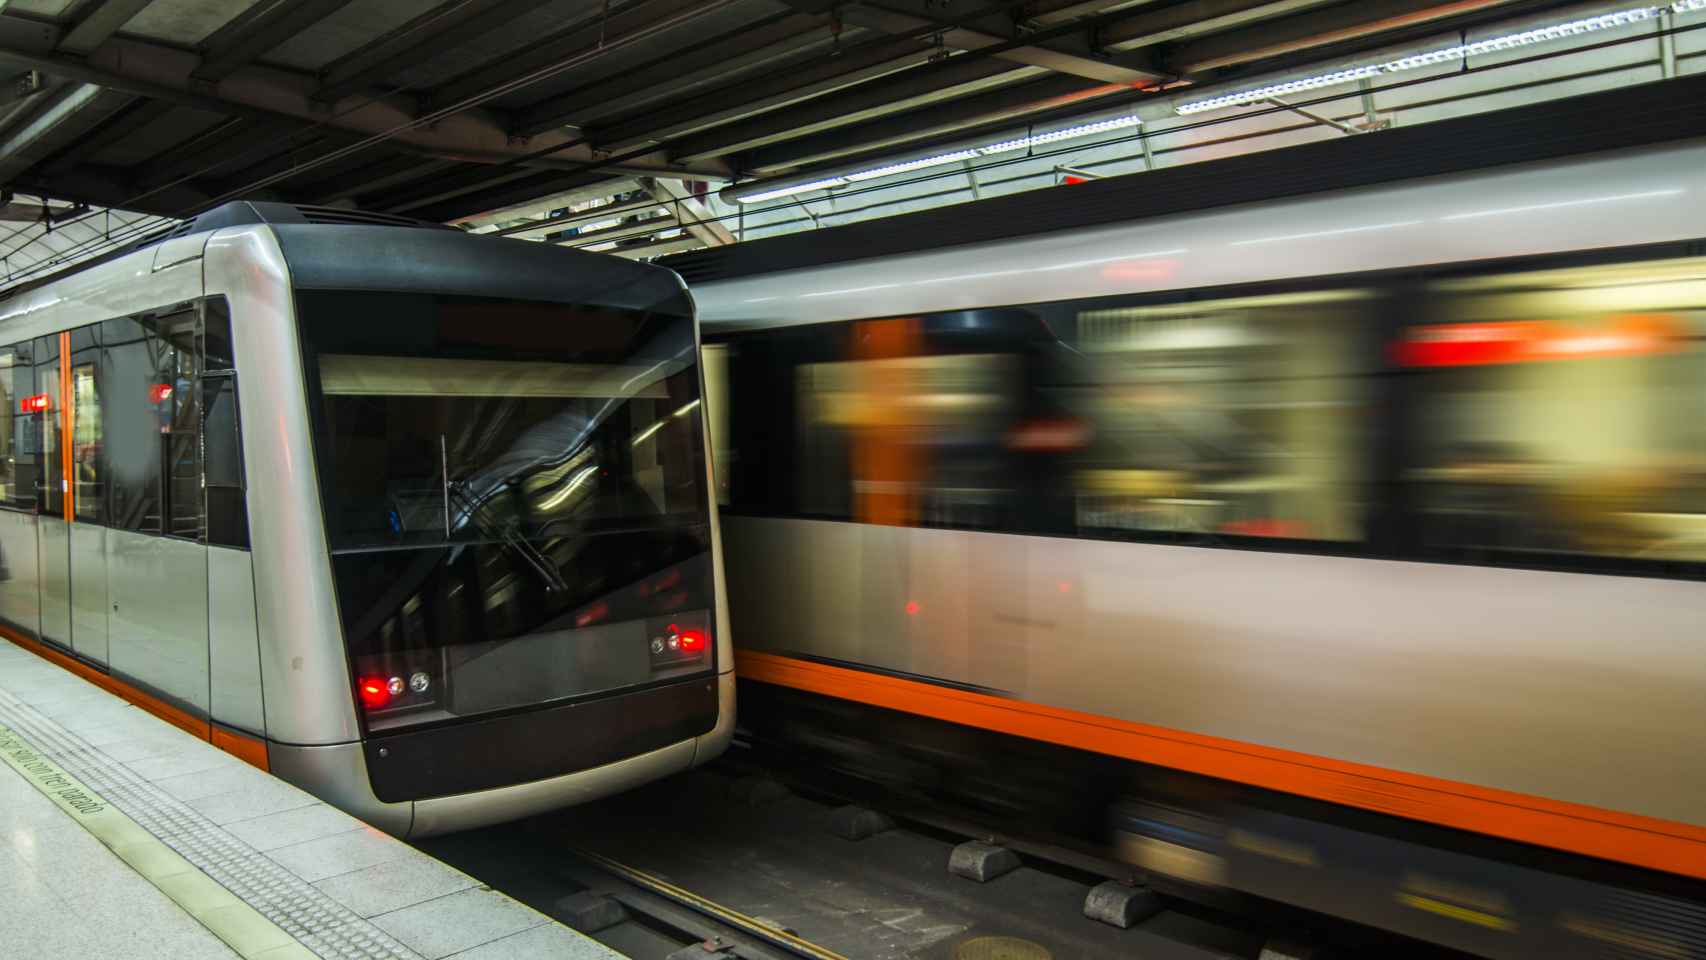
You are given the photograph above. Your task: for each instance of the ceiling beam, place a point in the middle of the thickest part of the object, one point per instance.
(1047, 13)
(153, 70)
(542, 206)
(104, 19)
(911, 18)
(1356, 21)
(545, 182)
(681, 72)
(954, 78)
(373, 178)
(232, 144)
(867, 61)
(1194, 18)
(256, 31)
(691, 212)
(657, 248)
(576, 40)
(534, 229)
(450, 185)
(124, 123)
(20, 87)
(446, 25)
(106, 187)
(68, 112)
(1008, 105)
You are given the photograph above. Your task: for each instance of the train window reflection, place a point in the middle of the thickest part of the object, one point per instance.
(1237, 417)
(17, 459)
(515, 495)
(1565, 411)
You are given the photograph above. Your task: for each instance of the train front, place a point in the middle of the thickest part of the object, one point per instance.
(521, 542)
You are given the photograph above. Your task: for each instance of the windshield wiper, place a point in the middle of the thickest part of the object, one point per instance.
(505, 533)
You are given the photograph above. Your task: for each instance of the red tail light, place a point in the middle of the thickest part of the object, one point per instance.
(692, 641)
(374, 692)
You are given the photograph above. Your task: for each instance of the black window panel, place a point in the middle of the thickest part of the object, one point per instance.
(216, 350)
(222, 458)
(50, 491)
(516, 498)
(181, 471)
(88, 468)
(132, 377)
(22, 454)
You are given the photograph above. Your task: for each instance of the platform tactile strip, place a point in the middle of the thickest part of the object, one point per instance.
(318, 922)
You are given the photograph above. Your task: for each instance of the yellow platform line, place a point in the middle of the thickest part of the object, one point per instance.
(243, 928)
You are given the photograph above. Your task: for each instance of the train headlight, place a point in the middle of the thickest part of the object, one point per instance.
(395, 686)
(420, 682)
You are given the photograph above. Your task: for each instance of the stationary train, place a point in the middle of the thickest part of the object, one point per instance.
(417, 520)
(1343, 549)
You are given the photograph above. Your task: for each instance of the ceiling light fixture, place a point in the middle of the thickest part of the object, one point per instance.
(1547, 34)
(764, 192)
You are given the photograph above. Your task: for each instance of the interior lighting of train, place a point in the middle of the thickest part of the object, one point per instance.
(1547, 34)
(1007, 145)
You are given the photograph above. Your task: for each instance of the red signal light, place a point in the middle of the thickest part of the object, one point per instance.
(35, 404)
(693, 641)
(374, 693)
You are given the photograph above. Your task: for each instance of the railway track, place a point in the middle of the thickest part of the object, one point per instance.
(721, 864)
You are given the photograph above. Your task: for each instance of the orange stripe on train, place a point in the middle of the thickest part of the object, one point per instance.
(245, 748)
(1591, 831)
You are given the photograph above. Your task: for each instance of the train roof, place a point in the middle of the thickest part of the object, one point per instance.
(327, 248)
(1648, 114)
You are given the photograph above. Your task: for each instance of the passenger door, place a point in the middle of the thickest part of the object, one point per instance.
(53, 523)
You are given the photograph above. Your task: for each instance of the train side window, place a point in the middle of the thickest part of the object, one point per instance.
(18, 445)
(1240, 416)
(1563, 412)
(222, 446)
(180, 426)
(87, 451)
(50, 490)
(132, 363)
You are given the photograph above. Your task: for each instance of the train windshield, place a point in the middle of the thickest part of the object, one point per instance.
(515, 498)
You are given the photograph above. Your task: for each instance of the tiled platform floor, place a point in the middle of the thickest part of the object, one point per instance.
(122, 836)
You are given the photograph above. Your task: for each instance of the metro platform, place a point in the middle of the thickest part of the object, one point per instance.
(123, 836)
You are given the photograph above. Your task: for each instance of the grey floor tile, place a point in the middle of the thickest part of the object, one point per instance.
(23, 820)
(29, 916)
(545, 942)
(344, 853)
(125, 729)
(76, 718)
(198, 760)
(140, 721)
(293, 826)
(140, 748)
(395, 885)
(254, 798)
(225, 779)
(461, 921)
(154, 933)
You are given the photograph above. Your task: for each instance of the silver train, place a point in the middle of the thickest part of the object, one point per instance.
(417, 520)
(1391, 497)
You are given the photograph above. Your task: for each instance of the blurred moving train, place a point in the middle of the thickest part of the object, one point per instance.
(1349, 517)
(454, 562)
